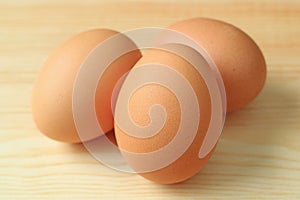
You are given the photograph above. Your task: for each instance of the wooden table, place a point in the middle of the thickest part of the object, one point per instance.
(258, 156)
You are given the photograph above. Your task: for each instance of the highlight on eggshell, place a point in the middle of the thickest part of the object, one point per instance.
(53, 92)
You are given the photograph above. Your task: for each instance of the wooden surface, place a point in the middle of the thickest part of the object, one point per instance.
(258, 156)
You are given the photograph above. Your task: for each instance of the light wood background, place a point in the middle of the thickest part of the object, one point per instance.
(258, 156)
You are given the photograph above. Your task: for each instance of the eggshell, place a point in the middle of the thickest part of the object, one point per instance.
(53, 89)
(239, 59)
(188, 164)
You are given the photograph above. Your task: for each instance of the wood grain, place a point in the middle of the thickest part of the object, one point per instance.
(258, 156)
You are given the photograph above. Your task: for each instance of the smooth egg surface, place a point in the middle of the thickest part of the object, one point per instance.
(53, 89)
(141, 112)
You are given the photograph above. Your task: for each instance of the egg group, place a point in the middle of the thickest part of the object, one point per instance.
(167, 113)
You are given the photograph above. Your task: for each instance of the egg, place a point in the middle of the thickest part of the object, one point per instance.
(238, 58)
(158, 130)
(53, 90)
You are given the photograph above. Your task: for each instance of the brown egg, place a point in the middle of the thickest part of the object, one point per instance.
(142, 114)
(53, 89)
(240, 61)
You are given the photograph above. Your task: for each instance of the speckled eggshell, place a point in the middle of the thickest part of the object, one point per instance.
(238, 58)
(141, 101)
